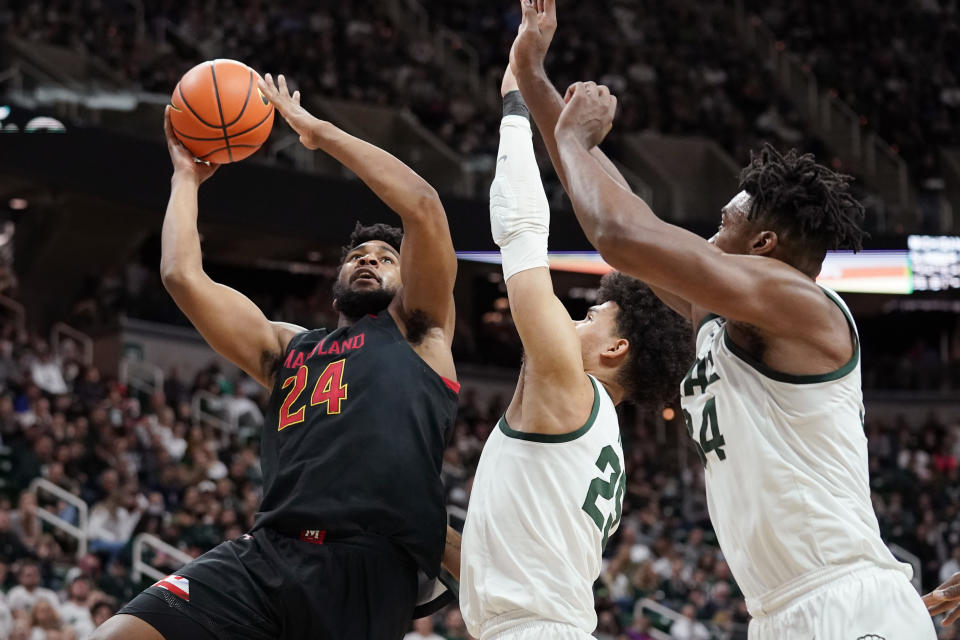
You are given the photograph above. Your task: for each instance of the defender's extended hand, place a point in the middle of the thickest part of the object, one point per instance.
(945, 599)
(535, 34)
(184, 164)
(288, 106)
(588, 114)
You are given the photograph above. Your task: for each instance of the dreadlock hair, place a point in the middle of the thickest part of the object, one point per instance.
(660, 347)
(379, 231)
(805, 202)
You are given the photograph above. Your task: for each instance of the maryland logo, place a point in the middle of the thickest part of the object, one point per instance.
(176, 585)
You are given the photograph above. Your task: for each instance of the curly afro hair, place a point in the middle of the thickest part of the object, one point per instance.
(808, 201)
(661, 348)
(393, 236)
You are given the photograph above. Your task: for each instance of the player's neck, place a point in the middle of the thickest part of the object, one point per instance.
(344, 321)
(614, 390)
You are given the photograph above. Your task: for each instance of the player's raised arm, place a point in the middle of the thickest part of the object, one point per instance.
(556, 393)
(428, 262)
(230, 323)
(768, 294)
(527, 62)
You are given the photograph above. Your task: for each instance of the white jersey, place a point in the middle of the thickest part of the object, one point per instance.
(786, 469)
(541, 511)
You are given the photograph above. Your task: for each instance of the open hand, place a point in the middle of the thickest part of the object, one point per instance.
(535, 34)
(184, 164)
(288, 106)
(588, 114)
(945, 599)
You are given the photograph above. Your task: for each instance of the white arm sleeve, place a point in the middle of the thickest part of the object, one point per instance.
(519, 212)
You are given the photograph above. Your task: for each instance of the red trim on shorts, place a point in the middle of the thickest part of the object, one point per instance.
(174, 589)
(454, 386)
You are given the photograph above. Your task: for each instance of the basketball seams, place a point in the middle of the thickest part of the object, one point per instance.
(203, 135)
(246, 100)
(192, 110)
(216, 92)
(235, 146)
(232, 135)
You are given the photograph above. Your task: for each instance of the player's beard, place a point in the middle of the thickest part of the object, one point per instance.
(357, 304)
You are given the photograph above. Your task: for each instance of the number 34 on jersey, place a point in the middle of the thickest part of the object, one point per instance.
(701, 375)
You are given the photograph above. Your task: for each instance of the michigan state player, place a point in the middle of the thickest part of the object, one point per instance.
(548, 490)
(773, 402)
(357, 421)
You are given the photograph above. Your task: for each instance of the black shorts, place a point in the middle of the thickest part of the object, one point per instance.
(269, 586)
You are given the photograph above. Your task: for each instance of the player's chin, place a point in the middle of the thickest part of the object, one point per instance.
(366, 284)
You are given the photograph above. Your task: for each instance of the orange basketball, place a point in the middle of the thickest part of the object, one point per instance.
(219, 113)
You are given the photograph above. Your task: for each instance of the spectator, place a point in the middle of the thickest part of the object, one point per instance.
(113, 520)
(422, 630)
(75, 610)
(687, 627)
(45, 623)
(28, 591)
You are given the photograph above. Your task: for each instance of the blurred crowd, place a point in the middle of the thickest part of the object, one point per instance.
(899, 69)
(142, 465)
(676, 67)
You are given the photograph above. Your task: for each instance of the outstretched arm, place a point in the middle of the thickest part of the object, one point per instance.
(557, 395)
(230, 323)
(527, 63)
(428, 263)
(763, 292)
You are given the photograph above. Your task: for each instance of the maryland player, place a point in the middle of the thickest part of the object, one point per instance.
(358, 418)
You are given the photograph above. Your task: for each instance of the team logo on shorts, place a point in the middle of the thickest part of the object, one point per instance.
(177, 585)
(871, 636)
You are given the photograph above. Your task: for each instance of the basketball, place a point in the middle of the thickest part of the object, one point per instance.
(219, 113)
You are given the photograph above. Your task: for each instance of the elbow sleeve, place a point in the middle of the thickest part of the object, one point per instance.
(519, 212)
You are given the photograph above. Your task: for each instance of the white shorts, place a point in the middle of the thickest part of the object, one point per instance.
(540, 630)
(871, 604)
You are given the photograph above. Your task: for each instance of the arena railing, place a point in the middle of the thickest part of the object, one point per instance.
(202, 416)
(141, 567)
(143, 376)
(902, 554)
(662, 612)
(61, 329)
(829, 116)
(79, 530)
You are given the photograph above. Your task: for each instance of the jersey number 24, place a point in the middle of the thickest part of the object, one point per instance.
(329, 389)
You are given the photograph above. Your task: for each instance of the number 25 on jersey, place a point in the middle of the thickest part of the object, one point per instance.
(329, 389)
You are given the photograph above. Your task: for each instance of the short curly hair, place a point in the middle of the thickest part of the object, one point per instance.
(661, 347)
(807, 199)
(393, 236)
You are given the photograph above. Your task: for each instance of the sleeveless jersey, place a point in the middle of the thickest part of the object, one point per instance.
(541, 510)
(354, 438)
(786, 474)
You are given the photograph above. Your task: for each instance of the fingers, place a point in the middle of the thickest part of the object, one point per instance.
(571, 90)
(282, 86)
(949, 590)
(940, 607)
(952, 617)
(550, 8)
(296, 97)
(167, 127)
(529, 10)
